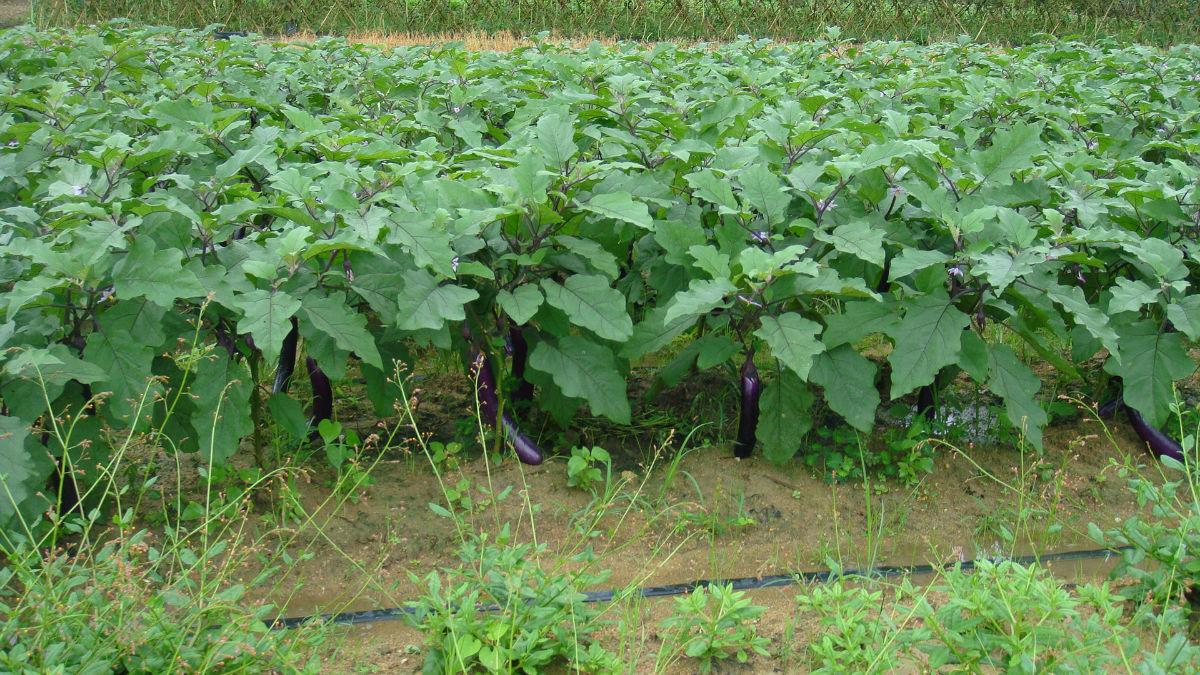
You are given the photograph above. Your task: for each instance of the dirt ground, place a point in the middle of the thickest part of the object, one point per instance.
(710, 516)
(13, 12)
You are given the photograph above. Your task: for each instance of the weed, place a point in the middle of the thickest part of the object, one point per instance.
(713, 622)
(584, 467)
(501, 612)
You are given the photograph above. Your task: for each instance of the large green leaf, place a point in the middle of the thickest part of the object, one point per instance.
(849, 382)
(784, 416)
(427, 303)
(156, 274)
(267, 318)
(24, 468)
(333, 317)
(928, 338)
(587, 370)
(124, 348)
(1150, 363)
(592, 304)
(1011, 149)
(1018, 386)
(792, 339)
(858, 238)
(221, 391)
(521, 304)
(425, 237)
(763, 190)
(619, 206)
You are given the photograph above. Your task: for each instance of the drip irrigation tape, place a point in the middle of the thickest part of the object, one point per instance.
(739, 584)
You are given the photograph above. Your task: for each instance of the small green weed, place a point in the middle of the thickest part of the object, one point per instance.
(714, 622)
(501, 613)
(344, 453)
(584, 467)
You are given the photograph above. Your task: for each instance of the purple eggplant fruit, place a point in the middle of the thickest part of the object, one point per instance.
(527, 451)
(322, 407)
(489, 405)
(1109, 409)
(1158, 443)
(287, 359)
(925, 403)
(748, 425)
(519, 352)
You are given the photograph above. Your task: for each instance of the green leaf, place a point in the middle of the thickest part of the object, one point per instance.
(332, 316)
(267, 318)
(712, 189)
(1001, 268)
(426, 303)
(221, 392)
(792, 339)
(425, 237)
(591, 303)
(584, 369)
(849, 382)
(1018, 386)
(156, 274)
(1130, 294)
(928, 338)
(655, 332)
(556, 139)
(912, 259)
(858, 319)
(1090, 317)
(1150, 363)
(1185, 316)
(619, 206)
(974, 359)
(858, 238)
(701, 297)
(124, 348)
(521, 304)
(763, 190)
(1011, 149)
(24, 468)
(784, 416)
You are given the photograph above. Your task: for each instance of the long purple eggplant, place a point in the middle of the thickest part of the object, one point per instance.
(322, 407)
(748, 425)
(519, 350)
(489, 405)
(287, 359)
(926, 407)
(1158, 443)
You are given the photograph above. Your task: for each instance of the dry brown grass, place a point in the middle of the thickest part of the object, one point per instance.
(503, 41)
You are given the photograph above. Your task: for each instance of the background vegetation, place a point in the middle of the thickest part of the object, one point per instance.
(1005, 21)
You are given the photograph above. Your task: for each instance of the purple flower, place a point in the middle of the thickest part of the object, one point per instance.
(896, 191)
(956, 271)
(760, 236)
(828, 204)
(79, 190)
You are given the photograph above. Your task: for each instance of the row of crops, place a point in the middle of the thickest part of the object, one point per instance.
(171, 206)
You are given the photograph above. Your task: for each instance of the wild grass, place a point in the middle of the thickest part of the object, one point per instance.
(1002, 21)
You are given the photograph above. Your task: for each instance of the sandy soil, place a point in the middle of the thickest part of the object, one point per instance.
(713, 517)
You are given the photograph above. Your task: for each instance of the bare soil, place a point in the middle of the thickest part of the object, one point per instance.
(13, 12)
(713, 517)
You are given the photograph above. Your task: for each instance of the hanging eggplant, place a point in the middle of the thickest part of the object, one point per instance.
(489, 405)
(322, 406)
(1158, 443)
(748, 424)
(519, 350)
(287, 359)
